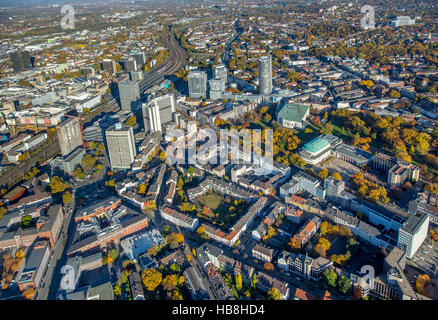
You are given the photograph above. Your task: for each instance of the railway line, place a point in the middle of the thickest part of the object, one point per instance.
(176, 61)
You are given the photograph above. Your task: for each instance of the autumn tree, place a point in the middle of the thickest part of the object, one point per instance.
(294, 243)
(170, 282)
(268, 266)
(151, 278)
(238, 280)
(57, 185)
(29, 293)
(420, 284)
(67, 197)
(274, 294)
(174, 238)
(337, 176)
(324, 173)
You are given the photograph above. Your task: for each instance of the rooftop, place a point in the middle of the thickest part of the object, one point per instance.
(316, 145)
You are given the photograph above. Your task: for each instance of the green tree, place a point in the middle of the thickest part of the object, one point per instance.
(344, 284)
(113, 254)
(330, 277)
(26, 220)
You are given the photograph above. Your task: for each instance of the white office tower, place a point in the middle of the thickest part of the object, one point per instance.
(265, 75)
(129, 92)
(220, 72)
(414, 231)
(197, 84)
(158, 111)
(121, 146)
(69, 135)
(217, 88)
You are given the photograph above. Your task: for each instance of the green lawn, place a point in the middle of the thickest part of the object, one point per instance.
(220, 214)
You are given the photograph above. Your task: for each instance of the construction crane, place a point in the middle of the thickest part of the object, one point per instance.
(80, 127)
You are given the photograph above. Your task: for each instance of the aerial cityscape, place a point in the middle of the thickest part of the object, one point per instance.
(219, 150)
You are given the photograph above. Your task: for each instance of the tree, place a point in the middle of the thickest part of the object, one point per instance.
(67, 197)
(395, 94)
(117, 290)
(274, 294)
(294, 243)
(170, 282)
(141, 189)
(324, 173)
(176, 295)
(253, 281)
(26, 220)
(327, 128)
(420, 284)
(79, 173)
(344, 284)
(268, 266)
(238, 279)
(131, 121)
(29, 293)
(174, 238)
(57, 185)
(112, 255)
(88, 161)
(151, 278)
(337, 176)
(3, 211)
(330, 277)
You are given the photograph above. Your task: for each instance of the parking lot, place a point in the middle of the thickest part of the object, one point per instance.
(345, 169)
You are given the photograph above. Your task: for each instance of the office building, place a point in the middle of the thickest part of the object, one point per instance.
(136, 76)
(121, 146)
(36, 263)
(139, 58)
(333, 188)
(413, 232)
(92, 233)
(130, 65)
(158, 112)
(217, 88)
(403, 172)
(220, 72)
(265, 75)
(129, 92)
(69, 135)
(109, 66)
(197, 84)
(21, 61)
